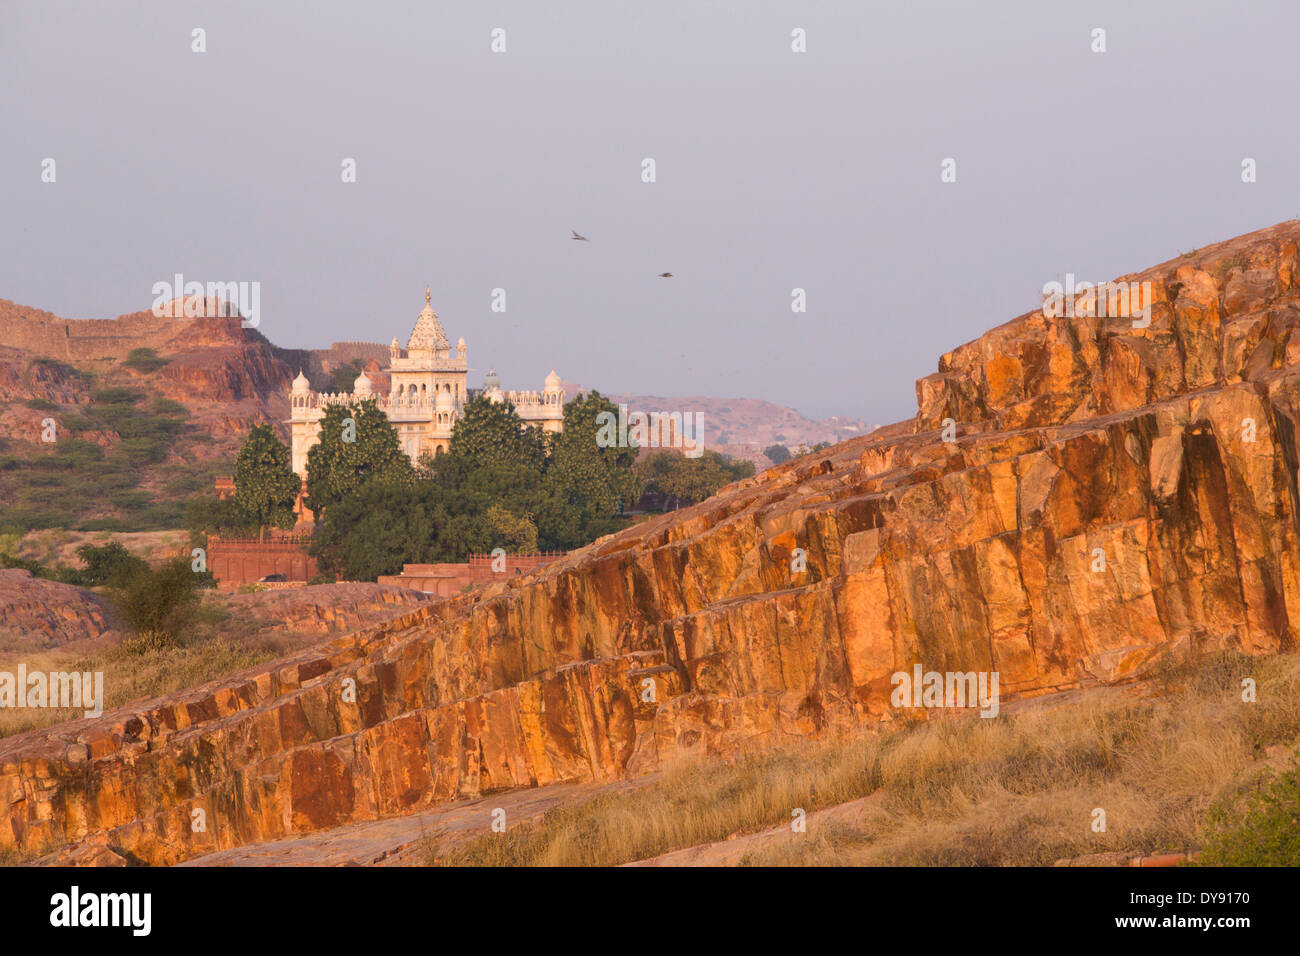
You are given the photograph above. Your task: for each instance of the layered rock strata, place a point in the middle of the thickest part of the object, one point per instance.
(1110, 495)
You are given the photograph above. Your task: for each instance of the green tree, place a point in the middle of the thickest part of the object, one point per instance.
(691, 479)
(266, 487)
(207, 514)
(381, 526)
(777, 453)
(589, 482)
(110, 564)
(496, 486)
(357, 444)
(516, 534)
(491, 432)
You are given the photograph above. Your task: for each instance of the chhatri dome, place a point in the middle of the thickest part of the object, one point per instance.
(423, 393)
(428, 333)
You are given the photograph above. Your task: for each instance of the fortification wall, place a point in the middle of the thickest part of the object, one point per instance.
(49, 336)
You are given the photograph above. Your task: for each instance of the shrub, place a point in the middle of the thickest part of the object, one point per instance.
(167, 406)
(1259, 828)
(160, 603)
(144, 360)
(117, 396)
(110, 565)
(777, 453)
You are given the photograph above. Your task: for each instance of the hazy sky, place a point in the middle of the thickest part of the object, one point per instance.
(775, 170)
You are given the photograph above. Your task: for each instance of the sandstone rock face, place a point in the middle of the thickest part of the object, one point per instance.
(37, 613)
(215, 359)
(322, 608)
(1113, 495)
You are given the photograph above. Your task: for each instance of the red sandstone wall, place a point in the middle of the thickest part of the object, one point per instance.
(238, 561)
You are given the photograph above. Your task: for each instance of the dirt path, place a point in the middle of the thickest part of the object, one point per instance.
(731, 851)
(396, 841)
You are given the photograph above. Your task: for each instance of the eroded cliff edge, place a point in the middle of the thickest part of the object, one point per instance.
(1172, 448)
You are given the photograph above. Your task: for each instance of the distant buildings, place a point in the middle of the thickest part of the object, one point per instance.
(426, 393)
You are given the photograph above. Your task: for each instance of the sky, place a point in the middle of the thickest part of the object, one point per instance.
(775, 170)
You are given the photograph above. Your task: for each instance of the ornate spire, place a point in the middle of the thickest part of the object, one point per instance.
(428, 333)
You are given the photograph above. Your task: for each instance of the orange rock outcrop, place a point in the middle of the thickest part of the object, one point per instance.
(37, 613)
(1113, 495)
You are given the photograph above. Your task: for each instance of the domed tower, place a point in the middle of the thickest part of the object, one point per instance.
(492, 387)
(427, 384)
(304, 422)
(428, 336)
(444, 422)
(553, 403)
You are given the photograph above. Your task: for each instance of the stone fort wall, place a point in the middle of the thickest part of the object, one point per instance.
(47, 335)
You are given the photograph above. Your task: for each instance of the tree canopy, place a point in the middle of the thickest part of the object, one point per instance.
(266, 487)
(357, 444)
(675, 476)
(501, 484)
(489, 433)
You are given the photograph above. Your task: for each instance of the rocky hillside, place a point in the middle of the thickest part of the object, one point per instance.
(744, 428)
(1111, 496)
(144, 411)
(148, 409)
(37, 614)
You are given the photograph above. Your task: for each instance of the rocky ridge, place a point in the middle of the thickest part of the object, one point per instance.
(1112, 496)
(36, 613)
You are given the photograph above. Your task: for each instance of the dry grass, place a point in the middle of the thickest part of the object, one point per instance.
(1017, 790)
(132, 672)
(691, 803)
(59, 546)
(229, 636)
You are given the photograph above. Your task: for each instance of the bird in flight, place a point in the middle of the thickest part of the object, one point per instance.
(665, 275)
(576, 236)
